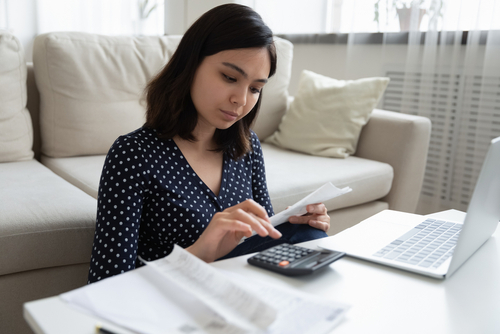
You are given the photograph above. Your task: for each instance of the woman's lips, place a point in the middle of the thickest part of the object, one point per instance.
(229, 115)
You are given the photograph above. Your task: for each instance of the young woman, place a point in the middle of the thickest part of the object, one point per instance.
(194, 175)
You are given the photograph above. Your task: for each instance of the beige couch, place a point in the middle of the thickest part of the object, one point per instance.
(85, 90)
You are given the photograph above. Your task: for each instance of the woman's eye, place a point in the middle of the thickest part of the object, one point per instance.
(254, 90)
(228, 78)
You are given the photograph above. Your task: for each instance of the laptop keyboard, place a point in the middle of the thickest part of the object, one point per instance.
(427, 245)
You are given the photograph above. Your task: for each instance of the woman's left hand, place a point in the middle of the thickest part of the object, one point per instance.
(316, 216)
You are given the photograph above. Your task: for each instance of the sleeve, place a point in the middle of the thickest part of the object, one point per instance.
(259, 183)
(119, 208)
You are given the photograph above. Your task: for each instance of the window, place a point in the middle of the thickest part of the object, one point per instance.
(3, 15)
(109, 17)
(344, 16)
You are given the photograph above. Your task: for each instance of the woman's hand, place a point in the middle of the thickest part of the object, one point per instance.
(227, 228)
(316, 216)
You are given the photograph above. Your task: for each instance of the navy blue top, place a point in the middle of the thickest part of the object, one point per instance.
(150, 199)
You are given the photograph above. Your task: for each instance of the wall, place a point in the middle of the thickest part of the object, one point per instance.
(180, 14)
(21, 16)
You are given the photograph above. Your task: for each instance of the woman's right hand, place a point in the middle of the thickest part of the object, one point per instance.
(226, 229)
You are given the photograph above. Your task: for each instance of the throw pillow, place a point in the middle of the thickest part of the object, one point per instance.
(16, 130)
(326, 116)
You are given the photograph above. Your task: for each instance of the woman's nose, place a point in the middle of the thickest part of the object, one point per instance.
(239, 97)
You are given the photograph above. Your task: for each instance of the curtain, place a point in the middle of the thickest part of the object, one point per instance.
(443, 58)
(452, 77)
(4, 23)
(108, 17)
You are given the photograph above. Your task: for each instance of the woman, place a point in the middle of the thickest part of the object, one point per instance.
(194, 175)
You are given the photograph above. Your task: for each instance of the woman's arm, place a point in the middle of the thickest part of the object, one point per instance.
(227, 228)
(259, 183)
(119, 209)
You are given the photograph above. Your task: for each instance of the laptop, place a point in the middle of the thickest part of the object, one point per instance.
(431, 247)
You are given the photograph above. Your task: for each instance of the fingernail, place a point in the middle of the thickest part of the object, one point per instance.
(293, 219)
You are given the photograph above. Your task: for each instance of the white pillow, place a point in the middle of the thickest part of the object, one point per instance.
(326, 116)
(16, 130)
(275, 93)
(91, 88)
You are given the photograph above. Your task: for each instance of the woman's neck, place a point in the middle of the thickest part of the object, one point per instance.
(204, 138)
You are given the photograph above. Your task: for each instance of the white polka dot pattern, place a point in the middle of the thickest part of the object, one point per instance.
(150, 199)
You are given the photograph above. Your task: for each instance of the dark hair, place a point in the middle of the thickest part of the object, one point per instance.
(170, 109)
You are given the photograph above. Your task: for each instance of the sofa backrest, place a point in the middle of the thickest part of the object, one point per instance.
(91, 88)
(16, 131)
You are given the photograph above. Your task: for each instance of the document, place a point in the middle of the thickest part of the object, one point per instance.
(182, 294)
(322, 194)
(229, 301)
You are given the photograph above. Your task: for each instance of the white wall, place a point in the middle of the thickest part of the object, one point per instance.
(180, 14)
(21, 19)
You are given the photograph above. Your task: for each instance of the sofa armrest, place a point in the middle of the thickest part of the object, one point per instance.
(402, 141)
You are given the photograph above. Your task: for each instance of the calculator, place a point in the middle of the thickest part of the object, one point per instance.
(292, 260)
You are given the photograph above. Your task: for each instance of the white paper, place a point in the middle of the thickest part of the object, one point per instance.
(175, 294)
(322, 194)
(299, 313)
(140, 301)
(228, 300)
(181, 294)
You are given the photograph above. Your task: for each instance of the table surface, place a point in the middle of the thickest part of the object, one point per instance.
(383, 299)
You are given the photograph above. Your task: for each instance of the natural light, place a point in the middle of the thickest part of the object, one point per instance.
(344, 16)
(125, 17)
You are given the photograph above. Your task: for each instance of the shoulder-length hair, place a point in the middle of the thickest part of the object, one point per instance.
(170, 109)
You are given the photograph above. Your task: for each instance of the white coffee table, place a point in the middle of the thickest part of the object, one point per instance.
(384, 300)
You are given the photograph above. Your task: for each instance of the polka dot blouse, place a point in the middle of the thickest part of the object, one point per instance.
(150, 199)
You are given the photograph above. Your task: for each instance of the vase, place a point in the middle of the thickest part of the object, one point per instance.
(405, 17)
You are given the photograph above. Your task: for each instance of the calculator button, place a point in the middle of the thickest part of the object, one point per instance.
(284, 263)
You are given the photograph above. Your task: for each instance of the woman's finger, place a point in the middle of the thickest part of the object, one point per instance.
(305, 219)
(320, 225)
(273, 232)
(258, 218)
(251, 206)
(251, 219)
(233, 225)
(318, 208)
(259, 225)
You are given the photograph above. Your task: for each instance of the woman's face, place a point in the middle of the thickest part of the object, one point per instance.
(227, 85)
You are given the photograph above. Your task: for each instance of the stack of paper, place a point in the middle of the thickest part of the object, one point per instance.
(182, 294)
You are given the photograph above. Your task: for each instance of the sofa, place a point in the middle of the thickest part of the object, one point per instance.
(59, 116)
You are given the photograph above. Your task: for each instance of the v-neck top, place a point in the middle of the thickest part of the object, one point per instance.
(150, 199)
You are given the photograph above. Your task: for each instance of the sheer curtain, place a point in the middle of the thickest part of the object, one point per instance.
(443, 58)
(108, 17)
(4, 23)
(453, 78)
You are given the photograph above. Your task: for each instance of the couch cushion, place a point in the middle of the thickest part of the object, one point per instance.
(292, 175)
(16, 132)
(275, 93)
(82, 172)
(91, 88)
(44, 221)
